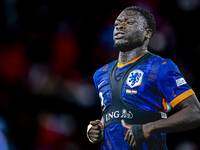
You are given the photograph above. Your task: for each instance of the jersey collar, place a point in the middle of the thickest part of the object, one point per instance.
(120, 65)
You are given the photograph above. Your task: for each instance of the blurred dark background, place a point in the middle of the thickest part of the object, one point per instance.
(49, 51)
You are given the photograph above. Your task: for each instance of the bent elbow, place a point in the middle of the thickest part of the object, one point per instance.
(195, 114)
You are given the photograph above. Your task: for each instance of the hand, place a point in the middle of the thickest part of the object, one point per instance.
(95, 132)
(129, 135)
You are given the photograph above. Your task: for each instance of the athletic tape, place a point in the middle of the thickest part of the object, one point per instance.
(138, 133)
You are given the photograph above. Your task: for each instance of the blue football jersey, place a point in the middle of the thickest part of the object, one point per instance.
(156, 85)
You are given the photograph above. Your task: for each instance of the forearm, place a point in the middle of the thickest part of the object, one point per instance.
(185, 119)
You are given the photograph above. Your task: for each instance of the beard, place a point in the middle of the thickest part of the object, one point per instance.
(133, 41)
(126, 46)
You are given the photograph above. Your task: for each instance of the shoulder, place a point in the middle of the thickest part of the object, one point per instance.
(166, 70)
(161, 68)
(161, 60)
(102, 72)
(164, 64)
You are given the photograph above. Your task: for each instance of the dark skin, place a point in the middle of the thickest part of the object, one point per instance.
(188, 117)
(95, 132)
(131, 27)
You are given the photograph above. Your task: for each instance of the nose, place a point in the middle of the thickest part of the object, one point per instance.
(120, 27)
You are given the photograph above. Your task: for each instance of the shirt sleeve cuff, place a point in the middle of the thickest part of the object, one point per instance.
(181, 97)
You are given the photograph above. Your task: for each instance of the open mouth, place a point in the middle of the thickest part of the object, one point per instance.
(119, 35)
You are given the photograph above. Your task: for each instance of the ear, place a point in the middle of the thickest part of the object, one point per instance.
(148, 33)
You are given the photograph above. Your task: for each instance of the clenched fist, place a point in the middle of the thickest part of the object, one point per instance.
(134, 135)
(94, 131)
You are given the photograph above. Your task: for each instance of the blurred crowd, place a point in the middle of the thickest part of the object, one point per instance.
(49, 51)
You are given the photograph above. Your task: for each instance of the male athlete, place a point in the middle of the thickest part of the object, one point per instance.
(138, 90)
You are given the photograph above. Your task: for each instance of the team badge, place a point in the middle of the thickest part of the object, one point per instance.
(135, 78)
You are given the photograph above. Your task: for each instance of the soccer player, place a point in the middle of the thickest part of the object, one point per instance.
(139, 89)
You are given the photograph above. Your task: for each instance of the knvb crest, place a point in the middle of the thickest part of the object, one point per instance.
(135, 78)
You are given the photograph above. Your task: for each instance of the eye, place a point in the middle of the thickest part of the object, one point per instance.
(116, 24)
(129, 22)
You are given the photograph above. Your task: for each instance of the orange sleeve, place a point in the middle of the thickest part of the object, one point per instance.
(181, 97)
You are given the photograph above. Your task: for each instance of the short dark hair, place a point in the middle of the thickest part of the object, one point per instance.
(147, 15)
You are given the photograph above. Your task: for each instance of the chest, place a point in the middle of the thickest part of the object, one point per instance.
(137, 79)
(135, 87)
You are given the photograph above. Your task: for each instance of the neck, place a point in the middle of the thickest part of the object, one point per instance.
(125, 57)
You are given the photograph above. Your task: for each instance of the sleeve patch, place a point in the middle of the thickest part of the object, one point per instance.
(180, 82)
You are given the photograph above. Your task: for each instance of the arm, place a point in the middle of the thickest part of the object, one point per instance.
(183, 98)
(188, 117)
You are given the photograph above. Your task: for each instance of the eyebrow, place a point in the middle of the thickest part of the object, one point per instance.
(124, 19)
